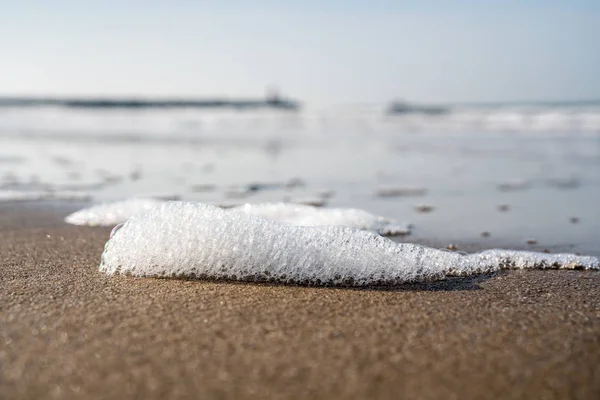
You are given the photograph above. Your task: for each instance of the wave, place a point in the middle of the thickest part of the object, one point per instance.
(258, 126)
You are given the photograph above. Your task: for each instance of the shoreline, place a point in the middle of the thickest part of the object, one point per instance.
(69, 331)
(51, 213)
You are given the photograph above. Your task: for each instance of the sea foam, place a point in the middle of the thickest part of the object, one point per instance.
(306, 215)
(111, 214)
(179, 239)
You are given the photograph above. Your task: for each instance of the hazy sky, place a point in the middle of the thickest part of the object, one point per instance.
(338, 52)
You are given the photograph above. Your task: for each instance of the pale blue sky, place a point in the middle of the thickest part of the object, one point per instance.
(338, 52)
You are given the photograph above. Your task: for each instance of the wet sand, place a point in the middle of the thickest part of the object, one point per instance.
(67, 331)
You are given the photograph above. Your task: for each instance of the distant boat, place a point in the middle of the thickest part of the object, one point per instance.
(407, 108)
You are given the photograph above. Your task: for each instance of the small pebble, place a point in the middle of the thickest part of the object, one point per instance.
(422, 208)
(452, 247)
(503, 207)
(485, 234)
(399, 192)
(564, 183)
(531, 241)
(513, 186)
(574, 220)
(308, 201)
(295, 183)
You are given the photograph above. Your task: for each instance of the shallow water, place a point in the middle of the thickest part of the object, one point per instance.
(517, 173)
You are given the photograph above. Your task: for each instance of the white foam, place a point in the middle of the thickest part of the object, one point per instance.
(180, 239)
(111, 214)
(307, 215)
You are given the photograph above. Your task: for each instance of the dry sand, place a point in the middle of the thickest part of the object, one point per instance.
(67, 331)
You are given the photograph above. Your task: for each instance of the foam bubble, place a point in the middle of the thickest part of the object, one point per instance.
(115, 229)
(180, 239)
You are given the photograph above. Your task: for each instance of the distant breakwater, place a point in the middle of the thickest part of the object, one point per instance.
(134, 103)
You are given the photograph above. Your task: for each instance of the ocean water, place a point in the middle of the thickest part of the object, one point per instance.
(522, 173)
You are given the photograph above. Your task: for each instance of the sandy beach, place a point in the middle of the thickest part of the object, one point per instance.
(68, 331)
(471, 130)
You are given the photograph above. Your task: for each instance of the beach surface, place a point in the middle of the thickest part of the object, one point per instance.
(68, 331)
